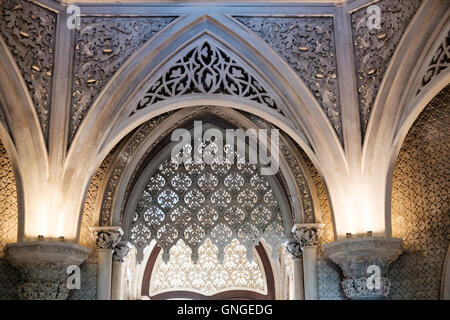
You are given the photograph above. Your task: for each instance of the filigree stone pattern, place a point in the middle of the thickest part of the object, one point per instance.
(208, 276)
(207, 69)
(374, 48)
(307, 234)
(119, 166)
(292, 158)
(420, 204)
(439, 62)
(29, 30)
(8, 201)
(195, 200)
(307, 44)
(102, 46)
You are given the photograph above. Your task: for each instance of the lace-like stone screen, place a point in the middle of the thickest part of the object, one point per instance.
(207, 277)
(194, 201)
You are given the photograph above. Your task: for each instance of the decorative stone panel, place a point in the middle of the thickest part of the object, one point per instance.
(374, 48)
(8, 201)
(307, 45)
(103, 44)
(420, 203)
(29, 32)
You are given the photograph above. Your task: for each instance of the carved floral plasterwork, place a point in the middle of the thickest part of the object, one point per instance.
(307, 44)
(374, 48)
(102, 46)
(208, 69)
(29, 30)
(208, 276)
(439, 62)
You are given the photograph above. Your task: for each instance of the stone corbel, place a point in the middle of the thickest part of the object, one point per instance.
(364, 262)
(43, 266)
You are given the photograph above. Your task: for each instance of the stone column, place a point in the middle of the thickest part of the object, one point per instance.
(295, 252)
(44, 267)
(120, 252)
(307, 235)
(364, 262)
(106, 239)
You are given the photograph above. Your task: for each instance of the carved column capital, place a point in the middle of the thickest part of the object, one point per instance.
(308, 234)
(121, 250)
(364, 262)
(106, 237)
(294, 249)
(43, 267)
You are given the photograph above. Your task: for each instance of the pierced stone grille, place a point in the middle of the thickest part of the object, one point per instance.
(194, 201)
(208, 276)
(207, 69)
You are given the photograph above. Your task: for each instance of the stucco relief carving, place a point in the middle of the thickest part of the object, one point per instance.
(297, 169)
(374, 48)
(8, 201)
(307, 44)
(28, 30)
(120, 165)
(439, 62)
(102, 46)
(294, 249)
(207, 69)
(107, 237)
(307, 234)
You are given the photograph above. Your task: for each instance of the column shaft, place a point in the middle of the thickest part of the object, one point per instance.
(298, 279)
(117, 275)
(104, 267)
(310, 272)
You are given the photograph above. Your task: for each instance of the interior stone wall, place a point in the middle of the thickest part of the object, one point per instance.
(9, 276)
(420, 204)
(88, 269)
(328, 273)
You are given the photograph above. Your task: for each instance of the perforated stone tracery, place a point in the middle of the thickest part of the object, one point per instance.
(244, 209)
(207, 69)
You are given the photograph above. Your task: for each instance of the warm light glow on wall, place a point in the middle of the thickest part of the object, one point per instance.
(359, 207)
(46, 214)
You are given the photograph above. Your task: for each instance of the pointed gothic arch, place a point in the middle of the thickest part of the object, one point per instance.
(309, 126)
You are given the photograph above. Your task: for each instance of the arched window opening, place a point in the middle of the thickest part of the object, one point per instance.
(235, 278)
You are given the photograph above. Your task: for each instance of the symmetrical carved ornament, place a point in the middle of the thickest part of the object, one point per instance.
(195, 201)
(43, 266)
(358, 258)
(29, 30)
(294, 249)
(207, 69)
(102, 46)
(106, 237)
(307, 234)
(121, 250)
(307, 44)
(374, 47)
(439, 62)
(292, 157)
